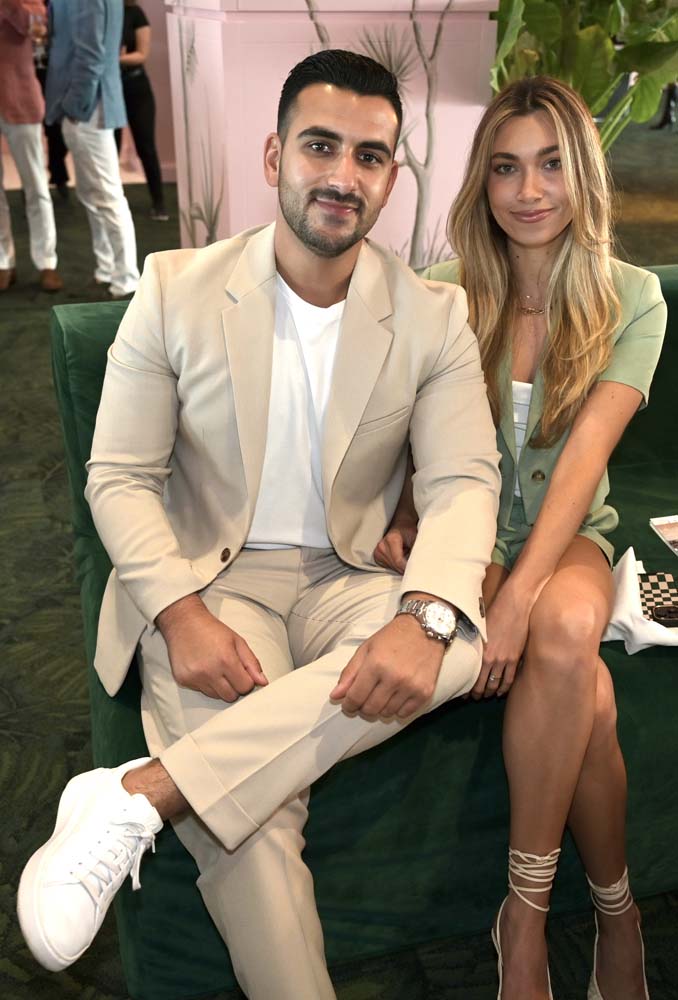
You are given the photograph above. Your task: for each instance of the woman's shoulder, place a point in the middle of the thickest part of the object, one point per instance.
(445, 270)
(634, 284)
(137, 16)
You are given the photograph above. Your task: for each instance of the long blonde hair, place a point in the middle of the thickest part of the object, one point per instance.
(582, 306)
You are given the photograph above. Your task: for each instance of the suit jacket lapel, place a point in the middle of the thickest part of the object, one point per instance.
(536, 405)
(363, 345)
(249, 323)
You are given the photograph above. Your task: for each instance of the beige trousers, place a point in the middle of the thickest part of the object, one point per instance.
(246, 768)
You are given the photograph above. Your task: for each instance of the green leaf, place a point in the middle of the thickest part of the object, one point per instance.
(525, 63)
(648, 57)
(647, 94)
(496, 80)
(544, 20)
(510, 23)
(604, 99)
(660, 29)
(592, 70)
(615, 122)
(615, 18)
(669, 31)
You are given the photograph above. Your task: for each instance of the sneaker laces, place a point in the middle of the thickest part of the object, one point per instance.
(122, 850)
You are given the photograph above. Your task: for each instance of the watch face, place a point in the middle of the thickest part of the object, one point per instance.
(440, 619)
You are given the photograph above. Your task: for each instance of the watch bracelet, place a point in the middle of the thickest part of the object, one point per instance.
(465, 626)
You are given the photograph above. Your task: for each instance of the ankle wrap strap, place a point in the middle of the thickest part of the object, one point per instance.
(537, 868)
(612, 899)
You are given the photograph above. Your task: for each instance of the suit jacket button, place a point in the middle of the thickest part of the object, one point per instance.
(225, 555)
(538, 476)
(481, 607)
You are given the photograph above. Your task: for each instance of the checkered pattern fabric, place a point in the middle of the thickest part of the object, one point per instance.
(656, 589)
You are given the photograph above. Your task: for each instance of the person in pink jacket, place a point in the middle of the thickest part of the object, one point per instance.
(21, 112)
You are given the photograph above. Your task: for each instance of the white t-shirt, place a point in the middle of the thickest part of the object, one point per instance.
(290, 509)
(522, 394)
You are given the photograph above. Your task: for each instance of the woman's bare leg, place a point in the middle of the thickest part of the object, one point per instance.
(550, 718)
(597, 821)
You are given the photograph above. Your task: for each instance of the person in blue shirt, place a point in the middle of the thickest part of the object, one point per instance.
(84, 92)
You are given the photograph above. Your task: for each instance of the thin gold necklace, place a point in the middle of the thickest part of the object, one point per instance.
(530, 310)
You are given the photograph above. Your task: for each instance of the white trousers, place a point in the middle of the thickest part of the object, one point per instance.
(25, 145)
(99, 188)
(245, 768)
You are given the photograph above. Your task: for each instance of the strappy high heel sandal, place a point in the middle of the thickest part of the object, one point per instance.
(612, 900)
(538, 869)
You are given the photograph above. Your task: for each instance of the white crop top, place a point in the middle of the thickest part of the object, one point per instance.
(522, 394)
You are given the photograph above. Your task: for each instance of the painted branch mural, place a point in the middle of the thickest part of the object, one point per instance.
(403, 53)
(320, 29)
(206, 207)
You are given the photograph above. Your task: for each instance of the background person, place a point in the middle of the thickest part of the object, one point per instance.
(21, 112)
(140, 102)
(569, 339)
(56, 147)
(84, 93)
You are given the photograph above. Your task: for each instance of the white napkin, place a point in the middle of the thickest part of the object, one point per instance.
(627, 622)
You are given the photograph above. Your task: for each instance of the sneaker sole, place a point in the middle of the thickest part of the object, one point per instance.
(28, 909)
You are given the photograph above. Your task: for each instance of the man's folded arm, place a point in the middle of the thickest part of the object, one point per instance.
(456, 484)
(129, 465)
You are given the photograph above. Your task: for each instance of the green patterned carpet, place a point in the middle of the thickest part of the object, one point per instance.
(43, 699)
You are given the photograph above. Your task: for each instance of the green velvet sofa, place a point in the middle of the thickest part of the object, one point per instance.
(407, 843)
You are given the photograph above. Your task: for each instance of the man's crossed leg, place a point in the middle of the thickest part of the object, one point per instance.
(233, 778)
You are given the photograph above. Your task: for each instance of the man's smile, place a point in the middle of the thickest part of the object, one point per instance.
(340, 206)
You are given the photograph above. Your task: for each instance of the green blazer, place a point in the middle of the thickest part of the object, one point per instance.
(637, 345)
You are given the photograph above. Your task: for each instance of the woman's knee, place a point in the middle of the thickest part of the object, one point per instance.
(564, 639)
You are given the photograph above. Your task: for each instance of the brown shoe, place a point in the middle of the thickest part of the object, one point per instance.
(7, 277)
(50, 280)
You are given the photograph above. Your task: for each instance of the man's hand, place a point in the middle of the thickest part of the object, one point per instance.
(394, 549)
(206, 655)
(393, 673)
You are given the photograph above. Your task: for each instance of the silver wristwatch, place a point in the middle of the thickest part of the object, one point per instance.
(437, 619)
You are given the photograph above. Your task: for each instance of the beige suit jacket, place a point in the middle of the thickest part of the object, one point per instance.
(181, 431)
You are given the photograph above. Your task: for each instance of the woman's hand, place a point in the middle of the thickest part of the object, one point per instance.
(508, 621)
(394, 549)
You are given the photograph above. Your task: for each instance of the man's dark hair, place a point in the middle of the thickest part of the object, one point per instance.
(343, 69)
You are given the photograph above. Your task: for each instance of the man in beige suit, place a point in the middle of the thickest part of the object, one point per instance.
(250, 448)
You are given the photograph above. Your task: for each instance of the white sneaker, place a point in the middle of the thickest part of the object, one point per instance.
(67, 886)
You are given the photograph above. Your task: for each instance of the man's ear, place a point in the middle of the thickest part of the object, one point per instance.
(272, 154)
(391, 182)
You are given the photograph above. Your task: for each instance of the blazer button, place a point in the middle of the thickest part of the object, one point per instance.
(538, 476)
(225, 555)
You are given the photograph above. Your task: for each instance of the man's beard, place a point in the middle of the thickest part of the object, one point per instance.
(295, 213)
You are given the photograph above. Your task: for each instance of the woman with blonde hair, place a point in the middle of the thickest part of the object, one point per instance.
(569, 338)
